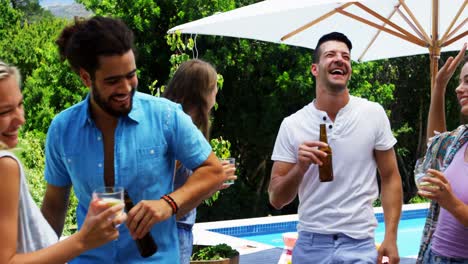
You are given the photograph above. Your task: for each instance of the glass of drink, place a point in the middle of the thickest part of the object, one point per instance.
(232, 162)
(110, 195)
(420, 171)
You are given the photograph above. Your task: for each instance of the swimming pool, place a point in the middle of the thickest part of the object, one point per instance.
(409, 231)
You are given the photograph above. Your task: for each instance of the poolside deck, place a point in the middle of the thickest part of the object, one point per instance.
(252, 252)
(204, 237)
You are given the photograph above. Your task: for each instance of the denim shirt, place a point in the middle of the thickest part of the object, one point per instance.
(442, 147)
(147, 142)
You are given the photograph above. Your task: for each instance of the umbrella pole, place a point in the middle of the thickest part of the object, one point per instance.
(434, 68)
(434, 49)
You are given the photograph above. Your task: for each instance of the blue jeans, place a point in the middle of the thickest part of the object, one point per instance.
(333, 249)
(185, 242)
(431, 257)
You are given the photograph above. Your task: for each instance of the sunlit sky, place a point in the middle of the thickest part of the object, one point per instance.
(55, 2)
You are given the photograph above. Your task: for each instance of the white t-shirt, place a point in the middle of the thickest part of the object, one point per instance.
(345, 204)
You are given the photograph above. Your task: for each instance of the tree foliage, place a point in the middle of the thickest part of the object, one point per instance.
(31, 9)
(9, 17)
(49, 84)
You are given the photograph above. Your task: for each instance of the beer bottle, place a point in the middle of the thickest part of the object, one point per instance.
(326, 169)
(146, 245)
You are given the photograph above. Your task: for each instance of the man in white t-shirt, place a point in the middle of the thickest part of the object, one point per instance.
(336, 219)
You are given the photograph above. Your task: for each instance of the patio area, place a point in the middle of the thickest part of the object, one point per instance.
(252, 252)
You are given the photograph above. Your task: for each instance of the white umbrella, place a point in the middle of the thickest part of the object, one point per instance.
(378, 28)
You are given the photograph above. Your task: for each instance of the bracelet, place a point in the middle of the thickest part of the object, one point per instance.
(171, 203)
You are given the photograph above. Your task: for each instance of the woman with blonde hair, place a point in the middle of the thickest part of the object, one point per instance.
(26, 235)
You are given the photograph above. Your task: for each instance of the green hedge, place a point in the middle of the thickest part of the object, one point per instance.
(31, 153)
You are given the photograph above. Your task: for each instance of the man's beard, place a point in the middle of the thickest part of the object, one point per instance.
(107, 107)
(336, 88)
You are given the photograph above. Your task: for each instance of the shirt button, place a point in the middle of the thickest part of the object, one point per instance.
(69, 160)
(152, 151)
(98, 138)
(324, 118)
(100, 165)
(330, 126)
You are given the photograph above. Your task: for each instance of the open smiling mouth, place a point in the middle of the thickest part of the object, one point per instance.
(10, 134)
(120, 98)
(338, 72)
(463, 100)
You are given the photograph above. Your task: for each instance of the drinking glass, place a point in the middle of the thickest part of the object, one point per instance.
(231, 161)
(110, 195)
(420, 172)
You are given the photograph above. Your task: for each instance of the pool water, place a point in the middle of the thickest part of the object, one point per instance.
(409, 231)
(409, 235)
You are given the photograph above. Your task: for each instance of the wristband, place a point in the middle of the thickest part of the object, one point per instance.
(171, 203)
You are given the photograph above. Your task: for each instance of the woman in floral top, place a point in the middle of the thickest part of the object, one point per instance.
(445, 233)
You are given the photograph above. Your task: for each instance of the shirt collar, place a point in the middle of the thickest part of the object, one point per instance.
(320, 113)
(135, 115)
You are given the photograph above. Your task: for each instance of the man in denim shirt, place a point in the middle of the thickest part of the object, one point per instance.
(132, 138)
